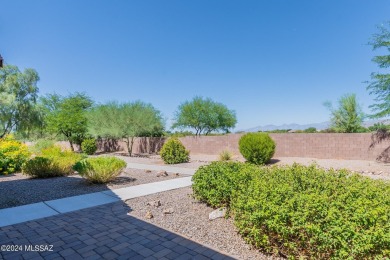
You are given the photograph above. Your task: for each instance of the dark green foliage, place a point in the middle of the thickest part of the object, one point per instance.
(89, 146)
(18, 99)
(41, 167)
(100, 169)
(310, 130)
(125, 121)
(379, 86)
(306, 211)
(257, 148)
(66, 116)
(214, 183)
(173, 151)
(205, 116)
(302, 211)
(348, 116)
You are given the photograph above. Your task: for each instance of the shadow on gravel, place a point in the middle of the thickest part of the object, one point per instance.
(103, 232)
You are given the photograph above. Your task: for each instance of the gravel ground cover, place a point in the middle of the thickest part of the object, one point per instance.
(190, 219)
(194, 163)
(372, 169)
(18, 189)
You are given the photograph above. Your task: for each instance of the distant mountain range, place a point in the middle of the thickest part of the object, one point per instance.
(293, 126)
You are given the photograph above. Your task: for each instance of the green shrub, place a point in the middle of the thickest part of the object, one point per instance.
(89, 146)
(257, 148)
(308, 212)
(12, 155)
(63, 159)
(41, 145)
(225, 156)
(100, 169)
(214, 183)
(41, 167)
(173, 151)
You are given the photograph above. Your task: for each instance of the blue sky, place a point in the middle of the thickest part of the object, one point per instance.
(273, 62)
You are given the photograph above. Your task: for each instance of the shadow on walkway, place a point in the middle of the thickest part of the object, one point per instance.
(100, 232)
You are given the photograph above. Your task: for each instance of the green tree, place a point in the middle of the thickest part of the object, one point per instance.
(205, 116)
(125, 121)
(18, 95)
(348, 117)
(67, 116)
(379, 86)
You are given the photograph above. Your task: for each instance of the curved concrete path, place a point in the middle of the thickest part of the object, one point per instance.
(153, 167)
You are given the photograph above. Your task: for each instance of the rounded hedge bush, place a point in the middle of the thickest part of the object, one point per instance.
(89, 146)
(173, 151)
(100, 169)
(257, 148)
(41, 167)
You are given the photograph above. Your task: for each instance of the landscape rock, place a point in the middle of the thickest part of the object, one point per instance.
(148, 171)
(218, 213)
(177, 174)
(154, 203)
(168, 211)
(162, 174)
(149, 215)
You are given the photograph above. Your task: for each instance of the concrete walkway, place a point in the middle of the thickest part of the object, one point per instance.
(10, 216)
(166, 168)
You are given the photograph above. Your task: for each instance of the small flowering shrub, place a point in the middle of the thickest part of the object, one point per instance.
(12, 155)
(100, 169)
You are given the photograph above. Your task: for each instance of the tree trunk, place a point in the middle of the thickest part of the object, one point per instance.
(130, 146)
(71, 146)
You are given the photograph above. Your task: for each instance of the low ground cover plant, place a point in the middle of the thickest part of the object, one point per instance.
(89, 146)
(302, 211)
(257, 148)
(12, 155)
(225, 155)
(173, 151)
(100, 169)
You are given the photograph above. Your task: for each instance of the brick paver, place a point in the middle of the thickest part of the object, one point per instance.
(101, 232)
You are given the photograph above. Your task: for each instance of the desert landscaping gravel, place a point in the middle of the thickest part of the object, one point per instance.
(191, 219)
(18, 189)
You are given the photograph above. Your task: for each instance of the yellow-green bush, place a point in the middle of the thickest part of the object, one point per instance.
(257, 148)
(12, 155)
(173, 151)
(100, 169)
(41, 167)
(303, 212)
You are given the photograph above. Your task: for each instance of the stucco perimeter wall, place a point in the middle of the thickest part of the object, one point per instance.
(321, 145)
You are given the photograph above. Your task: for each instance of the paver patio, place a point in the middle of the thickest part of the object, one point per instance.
(101, 232)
